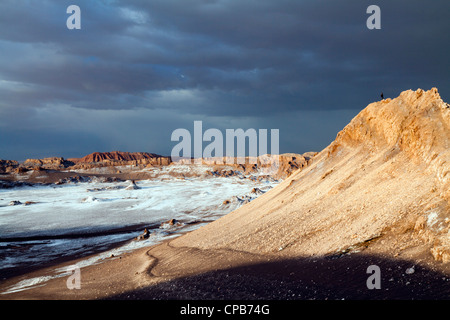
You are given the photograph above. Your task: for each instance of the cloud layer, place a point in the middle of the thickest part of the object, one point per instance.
(139, 69)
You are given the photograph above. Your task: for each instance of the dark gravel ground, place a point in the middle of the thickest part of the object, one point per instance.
(331, 278)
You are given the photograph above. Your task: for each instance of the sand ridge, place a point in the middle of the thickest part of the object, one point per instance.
(381, 171)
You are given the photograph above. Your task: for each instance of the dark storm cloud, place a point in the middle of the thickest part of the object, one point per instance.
(227, 62)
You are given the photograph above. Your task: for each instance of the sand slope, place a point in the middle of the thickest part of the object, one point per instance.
(383, 183)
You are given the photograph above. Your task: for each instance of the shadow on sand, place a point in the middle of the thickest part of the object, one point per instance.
(332, 277)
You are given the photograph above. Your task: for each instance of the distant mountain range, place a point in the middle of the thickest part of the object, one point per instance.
(116, 156)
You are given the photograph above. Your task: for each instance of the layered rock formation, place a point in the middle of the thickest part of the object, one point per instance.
(381, 186)
(53, 163)
(119, 158)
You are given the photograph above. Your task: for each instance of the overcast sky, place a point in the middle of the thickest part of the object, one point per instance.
(139, 69)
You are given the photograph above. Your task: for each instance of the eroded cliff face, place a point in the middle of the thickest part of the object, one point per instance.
(381, 186)
(7, 166)
(119, 158)
(53, 163)
(94, 160)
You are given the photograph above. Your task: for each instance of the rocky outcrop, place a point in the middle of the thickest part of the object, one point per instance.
(119, 158)
(170, 223)
(269, 166)
(53, 163)
(132, 186)
(7, 166)
(143, 236)
(290, 163)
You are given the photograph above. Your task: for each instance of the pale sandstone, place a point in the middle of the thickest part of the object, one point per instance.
(389, 163)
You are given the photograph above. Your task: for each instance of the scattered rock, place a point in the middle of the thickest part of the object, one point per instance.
(257, 191)
(132, 186)
(90, 199)
(241, 200)
(171, 223)
(143, 236)
(410, 270)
